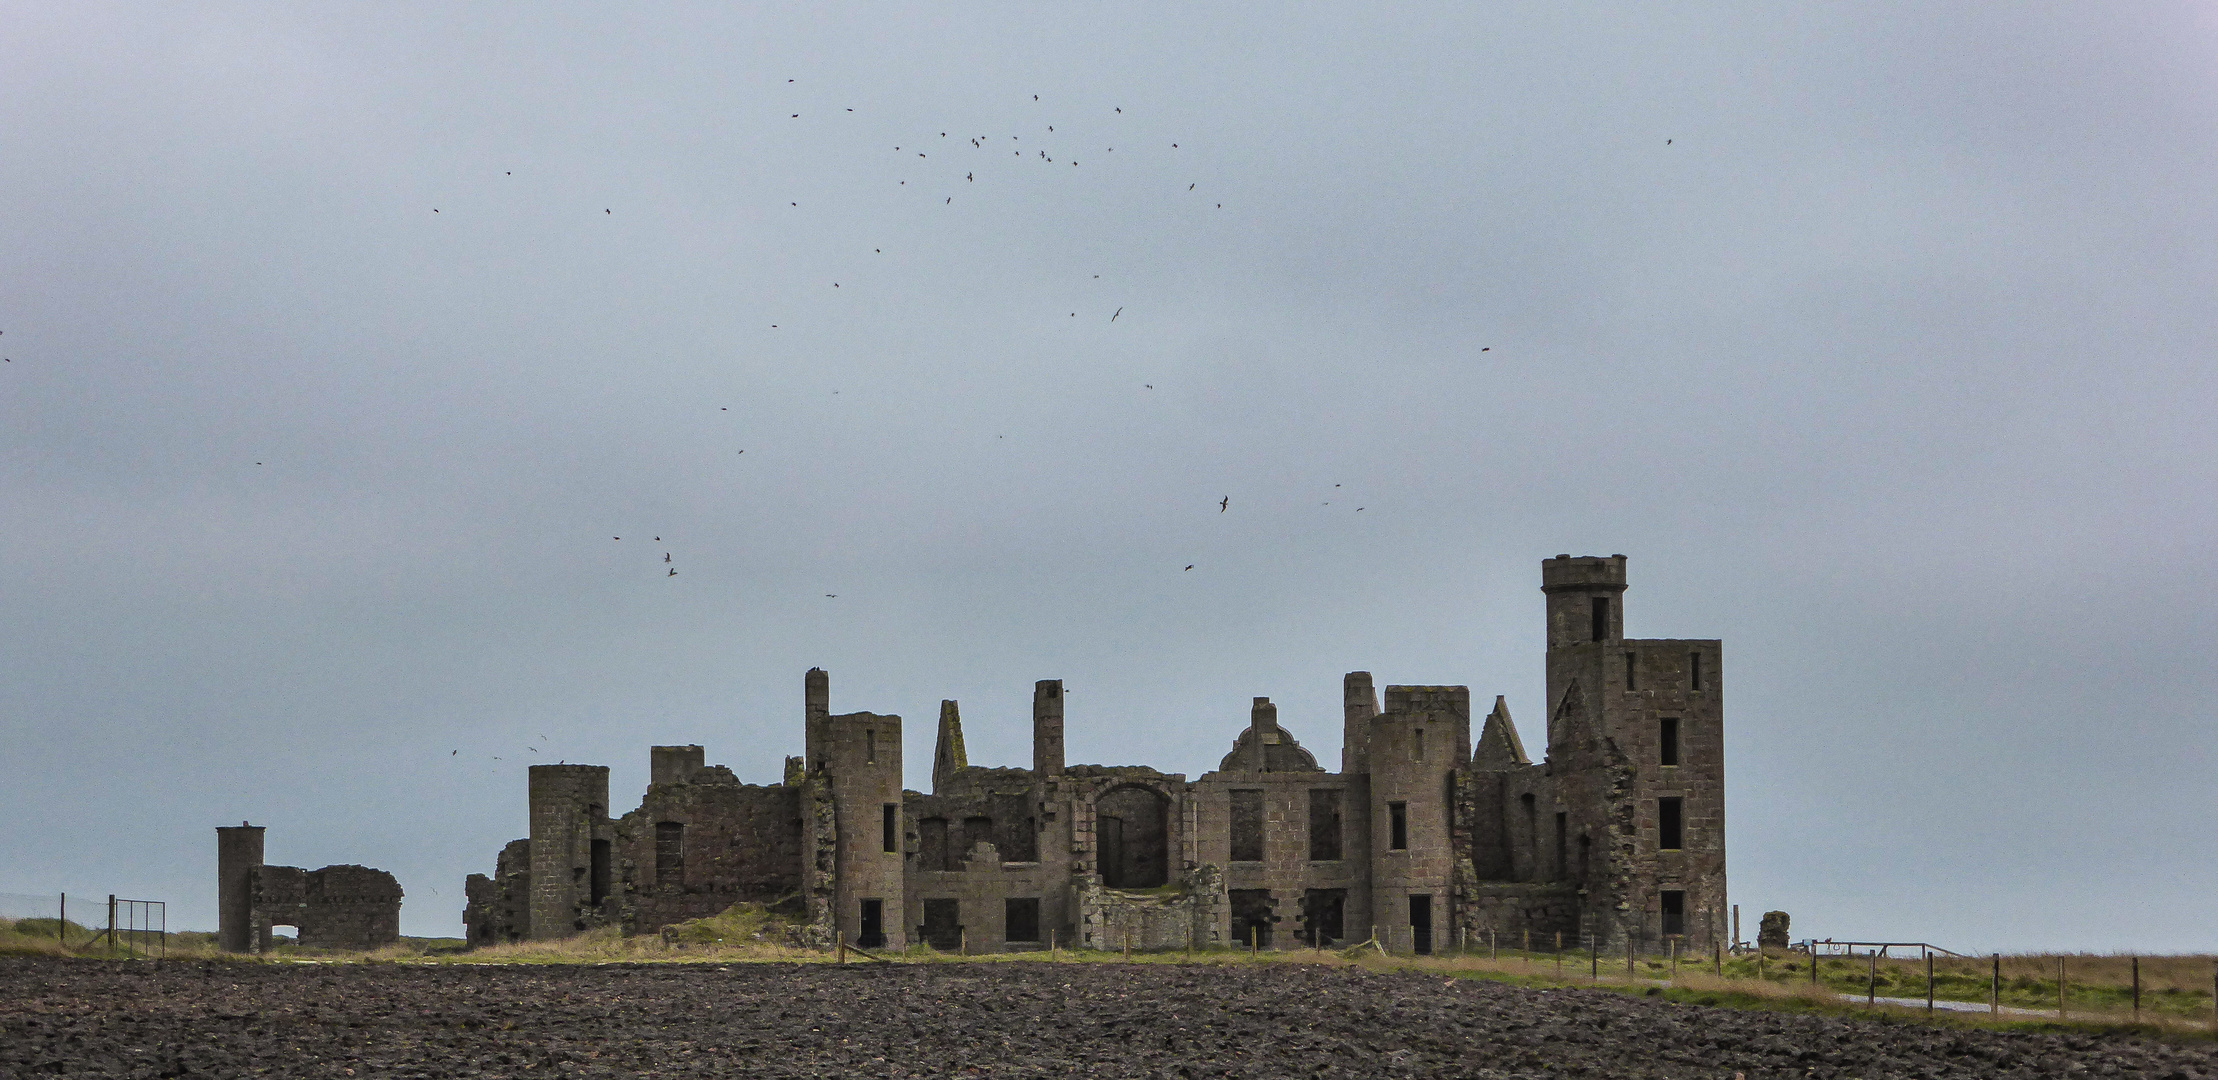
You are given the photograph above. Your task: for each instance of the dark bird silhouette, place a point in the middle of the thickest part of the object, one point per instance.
(434, 209)
(607, 211)
(1035, 97)
(1113, 318)
(972, 177)
(1358, 509)
(832, 594)
(673, 571)
(1667, 142)
(665, 556)
(1223, 503)
(1190, 187)
(1150, 386)
(1120, 110)
(1189, 566)
(1488, 348)
(452, 753)
(612, 537)
(658, 538)
(950, 201)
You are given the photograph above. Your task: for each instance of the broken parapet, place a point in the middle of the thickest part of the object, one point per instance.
(336, 907)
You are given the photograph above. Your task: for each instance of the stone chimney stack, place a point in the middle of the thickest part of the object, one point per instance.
(1047, 728)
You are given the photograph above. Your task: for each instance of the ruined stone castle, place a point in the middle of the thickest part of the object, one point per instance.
(1421, 839)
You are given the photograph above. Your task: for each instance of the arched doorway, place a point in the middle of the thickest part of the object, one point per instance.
(1132, 836)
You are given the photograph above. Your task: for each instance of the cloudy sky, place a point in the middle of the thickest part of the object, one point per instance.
(343, 340)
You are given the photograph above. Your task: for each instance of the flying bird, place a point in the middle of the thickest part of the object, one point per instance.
(832, 594)
(1189, 566)
(1488, 348)
(1150, 386)
(673, 571)
(1667, 142)
(665, 556)
(1223, 503)
(1113, 318)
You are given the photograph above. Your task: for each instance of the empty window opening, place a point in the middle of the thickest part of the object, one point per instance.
(1671, 823)
(870, 745)
(1247, 825)
(1667, 741)
(602, 871)
(1586, 854)
(1694, 670)
(1531, 839)
(1020, 919)
(1324, 824)
(1132, 827)
(1632, 671)
(890, 829)
(669, 853)
(1417, 745)
(943, 924)
(1397, 816)
(976, 831)
(1420, 923)
(933, 851)
(1251, 916)
(1324, 917)
(1563, 839)
(1601, 618)
(872, 933)
(1674, 909)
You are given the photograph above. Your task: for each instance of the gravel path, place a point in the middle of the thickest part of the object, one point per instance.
(81, 1018)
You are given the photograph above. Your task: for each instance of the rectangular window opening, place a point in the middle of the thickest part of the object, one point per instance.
(1247, 825)
(870, 745)
(1632, 667)
(1324, 824)
(1563, 841)
(1667, 741)
(1020, 919)
(1418, 746)
(890, 829)
(1671, 823)
(1674, 909)
(602, 871)
(1601, 618)
(1694, 670)
(669, 852)
(1398, 825)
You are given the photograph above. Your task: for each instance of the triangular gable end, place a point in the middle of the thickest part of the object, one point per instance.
(1499, 747)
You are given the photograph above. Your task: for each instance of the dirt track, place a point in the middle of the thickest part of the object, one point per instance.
(1018, 1020)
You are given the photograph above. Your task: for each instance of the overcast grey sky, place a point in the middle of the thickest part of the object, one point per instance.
(342, 339)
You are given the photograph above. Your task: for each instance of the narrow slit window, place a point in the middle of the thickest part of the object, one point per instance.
(891, 827)
(1563, 852)
(1601, 618)
(1632, 671)
(1671, 833)
(1398, 826)
(870, 745)
(1667, 741)
(1694, 671)
(1417, 752)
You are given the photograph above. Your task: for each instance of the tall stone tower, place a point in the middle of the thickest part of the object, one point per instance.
(859, 755)
(1422, 737)
(570, 858)
(1654, 707)
(238, 852)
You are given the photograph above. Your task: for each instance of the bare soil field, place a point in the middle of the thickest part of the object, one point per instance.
(215, 1019)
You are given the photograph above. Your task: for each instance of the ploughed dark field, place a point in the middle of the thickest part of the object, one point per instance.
(81, 1018)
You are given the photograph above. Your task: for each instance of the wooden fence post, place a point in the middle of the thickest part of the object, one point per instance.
(2136, 989)
(1929, 980)
(1871, 995)
(2060, 987)
(1559, 954)
(112, 922)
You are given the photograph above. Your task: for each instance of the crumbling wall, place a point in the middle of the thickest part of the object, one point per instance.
(700, 844)
(1188, 914)
(498, 910)
(337, 907)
